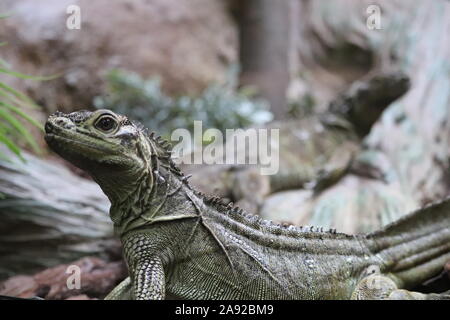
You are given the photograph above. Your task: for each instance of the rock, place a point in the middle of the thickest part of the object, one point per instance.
(354, 205)
(79, 297)
(189, 43)
(50, 216)
(447, 269)
(283, 207)
(97, 279)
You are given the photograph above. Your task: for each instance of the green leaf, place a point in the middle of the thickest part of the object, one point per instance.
(5, 15)
(22, 114)
(25, 76)
(4, 63)
(11, 145)
(19, 127)
(18, 94)
(10, 113)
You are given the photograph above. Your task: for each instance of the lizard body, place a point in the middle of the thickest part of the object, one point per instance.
(180, 243)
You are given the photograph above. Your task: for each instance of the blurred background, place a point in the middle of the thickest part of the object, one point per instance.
(360, 91)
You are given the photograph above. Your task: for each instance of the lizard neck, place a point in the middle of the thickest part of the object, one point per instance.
(160, 193)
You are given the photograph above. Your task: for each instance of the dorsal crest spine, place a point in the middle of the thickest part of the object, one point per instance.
(218, 203)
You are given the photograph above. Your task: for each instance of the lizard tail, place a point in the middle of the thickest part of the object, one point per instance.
(415, 247)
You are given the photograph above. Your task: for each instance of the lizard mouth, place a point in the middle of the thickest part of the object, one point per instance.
(85, 148)
(63, 138)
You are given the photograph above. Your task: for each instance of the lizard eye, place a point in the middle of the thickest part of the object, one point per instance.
(106, 123)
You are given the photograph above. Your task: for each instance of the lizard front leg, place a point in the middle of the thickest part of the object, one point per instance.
(148, 279)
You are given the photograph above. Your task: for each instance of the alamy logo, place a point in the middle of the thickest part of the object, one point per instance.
(73, 22)
(74, 280)
(374, 17)
(250, 147)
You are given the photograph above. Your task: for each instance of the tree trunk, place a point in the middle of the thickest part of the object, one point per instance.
(265, 39)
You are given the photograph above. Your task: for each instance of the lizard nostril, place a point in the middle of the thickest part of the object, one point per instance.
(48, 127)
(62, 123)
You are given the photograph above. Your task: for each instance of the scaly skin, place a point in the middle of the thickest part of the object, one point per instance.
(180, 244)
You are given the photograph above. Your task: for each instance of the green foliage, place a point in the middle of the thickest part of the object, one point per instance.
(219, 106)
(12, 129)
(302, 107)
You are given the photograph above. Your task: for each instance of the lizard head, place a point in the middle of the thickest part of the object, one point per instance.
(111, 148)
(366, 100)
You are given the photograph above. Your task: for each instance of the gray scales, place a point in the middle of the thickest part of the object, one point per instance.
(179, 243)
